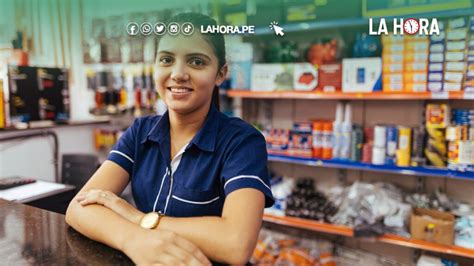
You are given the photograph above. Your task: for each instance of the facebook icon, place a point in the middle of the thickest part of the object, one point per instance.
(132, 28)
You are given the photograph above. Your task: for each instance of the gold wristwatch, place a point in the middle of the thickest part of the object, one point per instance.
(150, 220)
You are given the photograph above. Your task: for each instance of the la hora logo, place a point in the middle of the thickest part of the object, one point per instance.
(411, 26)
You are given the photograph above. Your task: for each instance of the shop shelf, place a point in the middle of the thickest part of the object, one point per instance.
(343, 164)
(358, 22)
(387, 238)
(458, 95)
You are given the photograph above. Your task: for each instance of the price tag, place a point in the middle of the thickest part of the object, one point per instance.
(468, 95)
(440, 95)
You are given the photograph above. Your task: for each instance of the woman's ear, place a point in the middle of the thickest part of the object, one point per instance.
(221, 75)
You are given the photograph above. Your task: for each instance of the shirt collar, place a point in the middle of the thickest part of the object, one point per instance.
(205, 139)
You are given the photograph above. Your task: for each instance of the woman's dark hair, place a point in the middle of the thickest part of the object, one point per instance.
(216, 40)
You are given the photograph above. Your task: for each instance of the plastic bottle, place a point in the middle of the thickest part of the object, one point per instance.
(337, 131)
(346, 130)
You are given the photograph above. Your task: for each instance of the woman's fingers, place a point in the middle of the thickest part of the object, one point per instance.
(191, 249)
(185, 256)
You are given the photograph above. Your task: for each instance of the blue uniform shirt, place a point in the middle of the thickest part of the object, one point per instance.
(225, 155)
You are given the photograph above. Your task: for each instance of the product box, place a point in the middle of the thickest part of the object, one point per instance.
(270, 77)
(330, 77)
(362, 74)
(393, 87)
(432, 225)
(240, 65)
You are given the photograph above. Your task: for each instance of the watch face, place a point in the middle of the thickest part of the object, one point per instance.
(150, 220)
(411, 26)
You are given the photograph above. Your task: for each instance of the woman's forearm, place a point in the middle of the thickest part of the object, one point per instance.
(217, 239)
(100, 224)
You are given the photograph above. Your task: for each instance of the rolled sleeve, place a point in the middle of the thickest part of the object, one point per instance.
(123, 152)
(245, 166)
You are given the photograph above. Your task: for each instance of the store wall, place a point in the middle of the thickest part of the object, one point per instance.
(33, 157)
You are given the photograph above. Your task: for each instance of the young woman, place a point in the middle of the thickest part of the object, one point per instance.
(199, 179)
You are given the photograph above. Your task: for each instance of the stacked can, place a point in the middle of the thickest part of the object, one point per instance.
(357, 138)
(404, 146)
(460, 137)
(368, 143)
(418, 139)
(378, 150)
(391, 144)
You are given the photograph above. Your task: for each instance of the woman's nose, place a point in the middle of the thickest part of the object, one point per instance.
(179, 73)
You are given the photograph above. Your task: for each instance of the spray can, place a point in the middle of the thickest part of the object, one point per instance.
(327, 140)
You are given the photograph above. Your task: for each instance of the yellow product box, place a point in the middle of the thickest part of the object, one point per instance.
(416, 86)
(393, 48)
(392, 68)
(390, 58)
(392, 38)
(423, 46)
(437, 116)
(419, 57)
(393, 78)
(415, 77)
(392, 87)
(416, 67)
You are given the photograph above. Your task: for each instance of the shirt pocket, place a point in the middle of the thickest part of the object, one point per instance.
(190, 203)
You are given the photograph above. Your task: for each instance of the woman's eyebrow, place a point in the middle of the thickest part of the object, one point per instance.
(199, 54)
(165, 52)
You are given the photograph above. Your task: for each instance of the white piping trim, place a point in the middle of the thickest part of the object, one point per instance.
(246, 176)
(196, 202)
(159, 192)
(123, 154)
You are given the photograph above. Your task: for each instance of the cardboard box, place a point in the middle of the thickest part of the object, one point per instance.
(330, 77)
(432, 225)
(362, 74)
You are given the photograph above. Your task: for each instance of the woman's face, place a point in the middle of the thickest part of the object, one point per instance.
(186, 72)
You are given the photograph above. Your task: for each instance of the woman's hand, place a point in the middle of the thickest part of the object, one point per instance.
(110, 200)
(163, 248)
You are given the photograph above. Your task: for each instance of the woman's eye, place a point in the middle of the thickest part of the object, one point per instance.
(165, 60)
(197, 62)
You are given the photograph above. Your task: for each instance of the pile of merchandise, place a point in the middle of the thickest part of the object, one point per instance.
(376, 209)
(275, 248)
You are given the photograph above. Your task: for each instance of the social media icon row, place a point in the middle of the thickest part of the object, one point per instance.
(160, 28)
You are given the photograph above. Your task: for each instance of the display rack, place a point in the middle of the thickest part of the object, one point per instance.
(349, 232)
(346, 164)
(455, 95)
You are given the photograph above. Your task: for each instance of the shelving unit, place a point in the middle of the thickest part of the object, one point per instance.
(416, 171)
(358, 22)
(387, 238)
(458, 95)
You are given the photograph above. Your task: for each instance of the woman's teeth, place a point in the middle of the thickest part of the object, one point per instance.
(179, 90)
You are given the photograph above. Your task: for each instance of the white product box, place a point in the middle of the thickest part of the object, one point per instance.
(361, 74)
